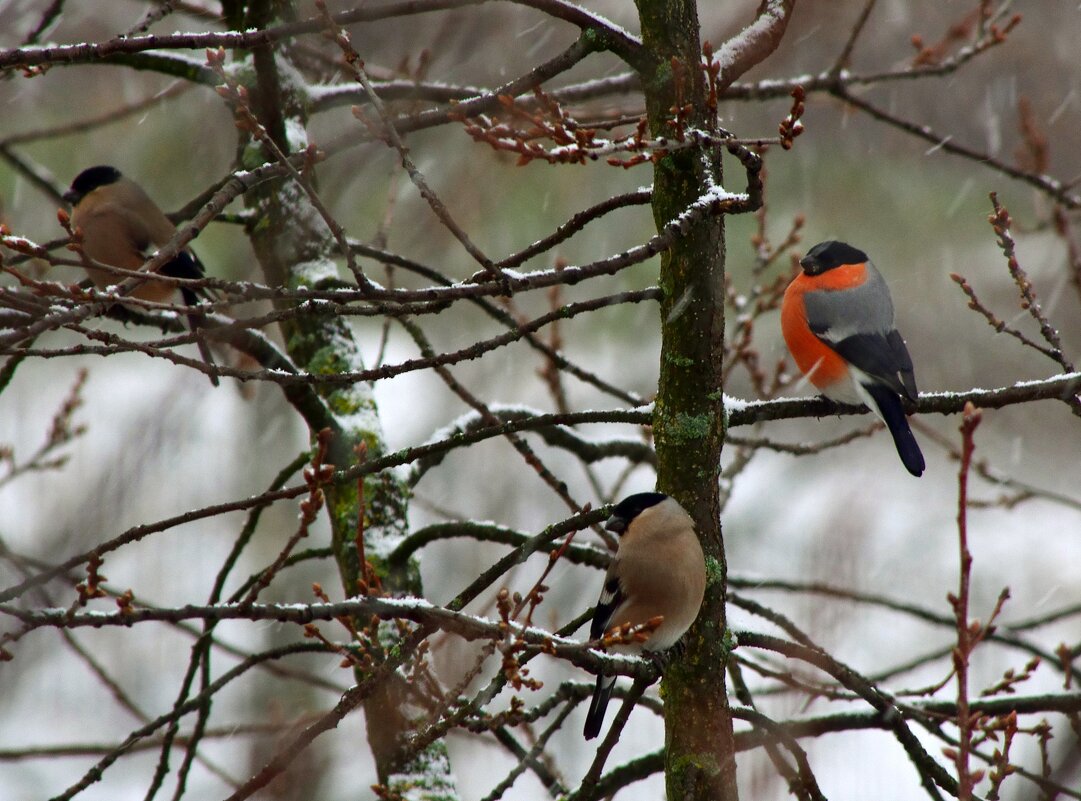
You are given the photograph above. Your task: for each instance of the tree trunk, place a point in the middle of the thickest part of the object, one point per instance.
(296, 249)
(688, 419)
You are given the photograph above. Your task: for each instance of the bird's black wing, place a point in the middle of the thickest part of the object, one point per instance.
(611, 598)
(185, 265)
(883, 357)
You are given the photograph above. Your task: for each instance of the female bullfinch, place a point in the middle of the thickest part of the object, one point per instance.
(120, 227)
(658, 571)
(837, 319)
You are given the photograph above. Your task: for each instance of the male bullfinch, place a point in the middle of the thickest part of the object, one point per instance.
(658, 571)
(837, 318)
(120, 227)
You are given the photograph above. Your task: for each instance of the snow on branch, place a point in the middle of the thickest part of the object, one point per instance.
(754, 43)
(416, 610)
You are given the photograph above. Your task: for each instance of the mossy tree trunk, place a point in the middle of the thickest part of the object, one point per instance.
(296, 249)
(688, 420)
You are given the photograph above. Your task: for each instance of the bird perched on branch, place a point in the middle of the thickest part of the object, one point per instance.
(120, 227)
(837, 319)
(658, 571)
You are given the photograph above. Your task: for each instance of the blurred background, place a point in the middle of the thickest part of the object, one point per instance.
(159, 442)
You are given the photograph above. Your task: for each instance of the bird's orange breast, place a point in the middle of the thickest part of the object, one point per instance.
(815, 359)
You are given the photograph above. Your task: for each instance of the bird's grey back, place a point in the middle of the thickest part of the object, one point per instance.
(862, 309)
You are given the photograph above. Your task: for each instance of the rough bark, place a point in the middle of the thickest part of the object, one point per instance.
(688, 420)
(295, 249)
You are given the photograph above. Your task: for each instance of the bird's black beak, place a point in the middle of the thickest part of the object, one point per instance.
(71, 197)
(615, 524)
(809, 265)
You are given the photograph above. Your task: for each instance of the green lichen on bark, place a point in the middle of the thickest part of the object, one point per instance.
(324, 345)
(296, 250)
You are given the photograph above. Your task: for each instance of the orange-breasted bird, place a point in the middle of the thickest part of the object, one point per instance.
(837, 319)
(121, 226)
(659, 570)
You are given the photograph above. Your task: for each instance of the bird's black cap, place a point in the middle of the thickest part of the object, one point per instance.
(89, 180)
(827, 255)
(630, 507)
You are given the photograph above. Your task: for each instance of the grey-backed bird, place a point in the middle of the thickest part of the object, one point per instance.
(837, 320)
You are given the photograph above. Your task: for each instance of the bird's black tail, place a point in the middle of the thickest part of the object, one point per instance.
(186, 266)
(595, 716)
(889, 405)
